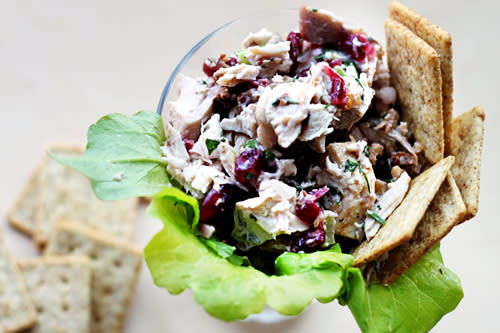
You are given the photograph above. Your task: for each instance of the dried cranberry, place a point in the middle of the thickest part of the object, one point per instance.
(338, 92)
(231, 61)
(219, 201)
(260, 82)
(296, 46)
(307, 209)
(210, 66)
(357, 46)
(188, 144)
(248, 167)
(336, 62)
(310, 239)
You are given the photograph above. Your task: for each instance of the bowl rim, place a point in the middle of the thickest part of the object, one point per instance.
(205, 39)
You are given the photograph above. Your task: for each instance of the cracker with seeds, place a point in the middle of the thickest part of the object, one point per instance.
(440, 40)
(401, 225)
(16, 310)
(66, 194)
(22, 214)
(444, 212)
(60, 290)
(467, 145)
(115, 269)
(416, 76)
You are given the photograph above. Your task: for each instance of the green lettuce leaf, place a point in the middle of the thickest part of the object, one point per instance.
(178, 260)
(415, 302)
(123, 156)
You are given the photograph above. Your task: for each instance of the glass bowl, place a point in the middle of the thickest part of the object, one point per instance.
(227, 39)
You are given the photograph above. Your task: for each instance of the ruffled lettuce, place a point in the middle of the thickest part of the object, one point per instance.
(178, 259)
(415, 302)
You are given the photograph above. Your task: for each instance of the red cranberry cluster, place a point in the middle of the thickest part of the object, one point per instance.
(357, 46)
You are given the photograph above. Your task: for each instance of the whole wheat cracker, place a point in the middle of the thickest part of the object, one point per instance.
(22, 214)
(60, 290)
(115, 268)
(416, 76)
(401, 225)
(467, 145)
(440, 40)
(16, 310)
(66, 194)
(445, 211)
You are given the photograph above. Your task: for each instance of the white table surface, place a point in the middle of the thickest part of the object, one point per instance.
(64, 64)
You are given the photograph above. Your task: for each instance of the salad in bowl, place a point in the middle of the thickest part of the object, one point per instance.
(298, 167)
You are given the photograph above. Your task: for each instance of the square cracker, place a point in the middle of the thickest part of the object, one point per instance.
(16, 310)
(115, 268)
(440, 40)
(22, 214)
(60, 290)
(416, 76)
(467, 145)
(404, 220)
(445, 211)
(66, 194)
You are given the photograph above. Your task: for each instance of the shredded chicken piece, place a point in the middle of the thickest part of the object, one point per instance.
(232, 76)
(387, 203)
(245, 122)
(193, 106)
(271, 58)
(261, 37)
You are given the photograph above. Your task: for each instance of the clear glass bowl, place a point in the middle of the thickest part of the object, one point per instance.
(227, 39)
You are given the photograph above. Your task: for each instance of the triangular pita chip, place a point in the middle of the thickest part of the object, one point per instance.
(444, 212)
(404, 220)
(466, 146)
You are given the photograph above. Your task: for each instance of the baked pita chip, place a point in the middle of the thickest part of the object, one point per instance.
(401, 225)
(416, 76)
(440, 40)
(445, 211)
(467, 145)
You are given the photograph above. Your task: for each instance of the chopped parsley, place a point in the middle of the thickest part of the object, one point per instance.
(211, 145)
(253, 143)
(351, 165)
(359, 82)
(269, 155)
(314, 10)
(379, 207)
(204, 82)
(285, 100)
(249, 176)
(375, 216)
(366, 151)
